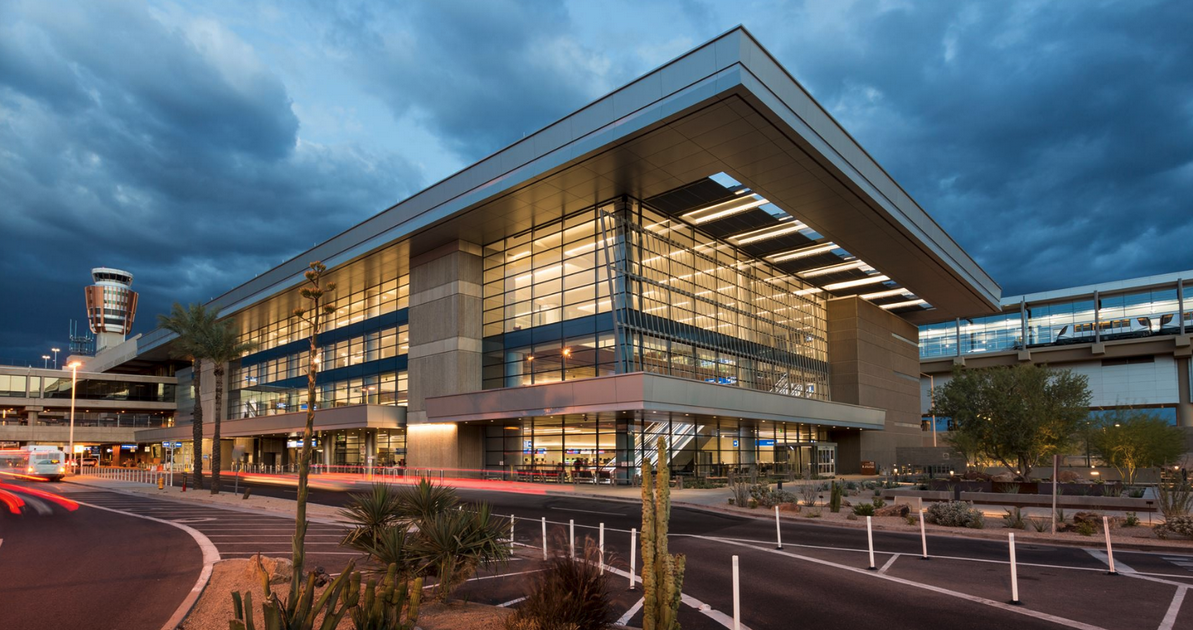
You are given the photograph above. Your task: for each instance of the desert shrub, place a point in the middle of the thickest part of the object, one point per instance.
(569, 594)
(453, 544)
(1135, 493)
(1174, 498)
(1013, 519)
(864, 509)
(769, 497)
(1039, 523)
(739, 490)
(1086, 528)
(1180, 525)
(810, 493)
(1131, 520)
(912, 519)
(877, 502)
(812, 513)
(978, 521)
(370, 513)
(954, 514)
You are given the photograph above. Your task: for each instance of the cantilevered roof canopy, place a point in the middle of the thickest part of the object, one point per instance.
(725, 108)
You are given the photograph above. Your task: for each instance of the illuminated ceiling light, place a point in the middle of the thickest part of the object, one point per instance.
(808, 291)
(856, 283)
(902, 304)
(773, 231)
(824, 271)
(803, 253)
(723, 209)
(882, 294)
(513, 257)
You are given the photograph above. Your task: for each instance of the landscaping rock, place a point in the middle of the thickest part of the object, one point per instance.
(1067, 476)
(1087, 517)
(1003, 476)
(899, 509)
(790, 507)
(278, 569)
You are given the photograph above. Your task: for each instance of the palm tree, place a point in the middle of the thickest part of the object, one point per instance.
(192, 324)
(221, 345)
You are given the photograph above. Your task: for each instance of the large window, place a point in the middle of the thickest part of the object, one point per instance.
(687, 305)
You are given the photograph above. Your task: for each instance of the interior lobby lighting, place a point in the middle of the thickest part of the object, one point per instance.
(824, 271)
(902, 304)
(861, 282)
(723, 209)
(803, 253)
(773, 231)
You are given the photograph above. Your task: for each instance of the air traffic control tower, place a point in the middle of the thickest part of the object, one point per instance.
(111, 306)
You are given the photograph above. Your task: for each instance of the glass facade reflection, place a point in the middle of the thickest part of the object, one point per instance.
(621, 288)
(1126, 314)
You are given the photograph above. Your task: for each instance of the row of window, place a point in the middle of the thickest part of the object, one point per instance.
(371, 346)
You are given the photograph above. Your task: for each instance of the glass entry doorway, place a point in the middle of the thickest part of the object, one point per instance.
(815, 459)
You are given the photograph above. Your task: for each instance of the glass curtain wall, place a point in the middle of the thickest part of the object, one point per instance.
(687, 305)
(609, 449)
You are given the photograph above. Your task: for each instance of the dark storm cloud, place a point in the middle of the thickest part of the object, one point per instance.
(1055, 145)
(481, 75)
(128, 143)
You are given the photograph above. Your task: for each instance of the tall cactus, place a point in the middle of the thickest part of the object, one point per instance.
(834, 501)
(662, 573)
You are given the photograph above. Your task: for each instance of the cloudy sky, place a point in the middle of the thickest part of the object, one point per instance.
(197, 144)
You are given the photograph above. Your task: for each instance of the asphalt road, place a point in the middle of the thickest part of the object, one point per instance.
(821, 577)
(86, 567)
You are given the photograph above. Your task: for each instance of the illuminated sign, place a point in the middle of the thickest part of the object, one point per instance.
(298, 443)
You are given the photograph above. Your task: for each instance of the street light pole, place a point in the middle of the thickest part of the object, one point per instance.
(74, 381)
(45, 361)
(55, 351)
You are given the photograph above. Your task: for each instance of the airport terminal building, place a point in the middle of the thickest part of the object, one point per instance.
(703, 255)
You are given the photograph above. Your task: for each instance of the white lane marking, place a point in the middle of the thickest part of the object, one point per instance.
(889, 563)
(1173, 609)
(285, 551)
(511, 602)
(211, 555)
(588, 511)
(191, 520)
(928, 587)
(1119, 566)
(701, 607)
(629, 614)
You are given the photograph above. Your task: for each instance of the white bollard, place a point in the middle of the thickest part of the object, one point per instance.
(923, 535)
(572, 538)
(601, 547)
(736, 596)
(1109, 550)
(1014, 571)
(633, 554)
(544, 538)
(778, 530)
(870, 542)
(511, 531)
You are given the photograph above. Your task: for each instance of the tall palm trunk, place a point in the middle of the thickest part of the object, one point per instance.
(197, 427)
(215, 428)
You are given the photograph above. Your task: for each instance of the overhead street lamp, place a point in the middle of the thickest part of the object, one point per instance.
(74, 381)
(55, 351)
(45, 361)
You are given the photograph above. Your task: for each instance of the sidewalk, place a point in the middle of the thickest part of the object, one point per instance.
(226, 499)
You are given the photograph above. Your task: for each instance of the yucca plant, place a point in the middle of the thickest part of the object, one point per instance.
(425, 501)
(393, 545)
(453, 544)
(371, 512)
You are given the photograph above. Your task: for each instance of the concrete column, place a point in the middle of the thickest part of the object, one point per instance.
(445, 348)
(1184, 407)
